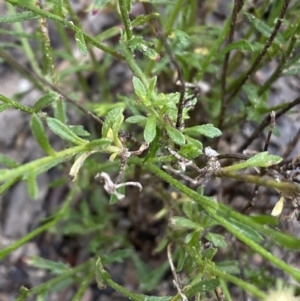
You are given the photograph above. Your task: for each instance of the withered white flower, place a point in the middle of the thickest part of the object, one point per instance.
(281, 294)
(111, 187)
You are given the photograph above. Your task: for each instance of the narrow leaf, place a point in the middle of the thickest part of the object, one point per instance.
(264, 29)
(79, 38)
(11, 163)
(52, 266)
(243, 46)
(32, 186)
(150, 129)
(137, 119)
(40, 135)
(45, 101)
(201, 286)
(179, 222)
(5, 106)
(139, 88)
(19, 17)
(175, 135)
(63, 131)
(262, 159)
(113, 120)
(207, 130)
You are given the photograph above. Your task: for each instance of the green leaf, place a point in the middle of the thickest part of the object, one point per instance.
(207, 130)
(151, 87)
(201, 286)
(264, 29)
(40, 135)
(79, 130)
(150, 129)
(262, 159)
(19, 17)
(58, 7)
(79, 38)
(175, 135)
(139, 88)
(246, 230)
(194, 142)
(5, 106)
(229, 266)
(179, 222)
(32, 186)
(45, 101)
(99, 144)
(137, 119)
(11, 163)
(99, 4)
(209, 253)
(190, 151)
(217, 240)
(243, 46)
(63, 131)
(52, 266)
(113, 120)
(292, 70)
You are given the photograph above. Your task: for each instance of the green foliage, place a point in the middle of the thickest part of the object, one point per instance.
(164, 122)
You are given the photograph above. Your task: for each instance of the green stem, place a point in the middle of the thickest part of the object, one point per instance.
(214, 271)
(68, 24)
(125, 18)
(16, 105)
(219, 212)
(57, 280)
(287, 187)
(58, 158)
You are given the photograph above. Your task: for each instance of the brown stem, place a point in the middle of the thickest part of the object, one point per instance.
(262, 52)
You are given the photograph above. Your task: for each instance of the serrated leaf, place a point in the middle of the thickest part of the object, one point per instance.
(137, 119)
(201, 286)
(207, 130)
(217, 240)
(19, 17)
(79, 130)
(52, 266)
(113, 120)
(150, 129)
(5, 106)
(40, 135)
(139, 88)
(243, 46)
(179, 222)
(264, 29)
(80, 42)
(262, 159)
(11, 163)
(209, 253)
(63, 131)
(45, 101)
(32, 186)
(175, 135)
